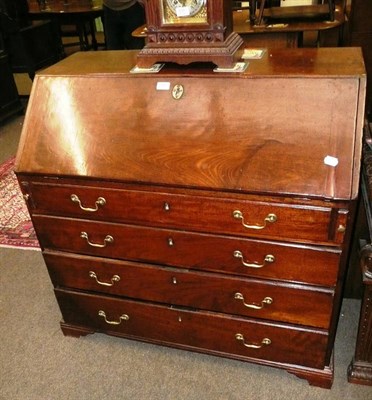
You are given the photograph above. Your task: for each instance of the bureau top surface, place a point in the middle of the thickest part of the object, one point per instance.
(291, 124)
(275, 62)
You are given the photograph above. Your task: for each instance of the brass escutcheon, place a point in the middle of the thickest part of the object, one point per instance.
(177, 91)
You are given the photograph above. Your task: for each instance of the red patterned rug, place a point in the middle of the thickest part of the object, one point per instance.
(16, 229)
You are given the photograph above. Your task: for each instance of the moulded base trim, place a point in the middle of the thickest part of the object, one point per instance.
(316, 377)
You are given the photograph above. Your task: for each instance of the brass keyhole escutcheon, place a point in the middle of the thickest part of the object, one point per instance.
(177, 92)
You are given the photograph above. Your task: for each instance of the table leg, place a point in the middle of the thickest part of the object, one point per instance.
(252, 10)
(92, 27)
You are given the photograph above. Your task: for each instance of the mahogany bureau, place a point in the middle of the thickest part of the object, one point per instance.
(205, 211)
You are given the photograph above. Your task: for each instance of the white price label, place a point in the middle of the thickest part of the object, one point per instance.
(331, 161)
(183, 11)
(162, 85)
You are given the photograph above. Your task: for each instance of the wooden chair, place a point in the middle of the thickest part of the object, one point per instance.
(82, 30)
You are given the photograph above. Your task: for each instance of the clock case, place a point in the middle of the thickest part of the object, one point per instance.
(186, 42)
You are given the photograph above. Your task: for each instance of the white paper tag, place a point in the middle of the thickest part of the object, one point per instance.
(162, 85)
(152, 70)
(253, 54)
(331, 161)
(183, 11)
(237, 67)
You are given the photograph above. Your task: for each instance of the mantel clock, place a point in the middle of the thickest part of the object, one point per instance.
(185, 31)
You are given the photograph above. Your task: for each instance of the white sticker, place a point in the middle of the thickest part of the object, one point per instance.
(163, 86)
(253, 54)
(331, 161)
(183, 11)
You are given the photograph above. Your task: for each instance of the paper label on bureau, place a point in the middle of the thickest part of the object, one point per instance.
(331, 161)
(162, 85)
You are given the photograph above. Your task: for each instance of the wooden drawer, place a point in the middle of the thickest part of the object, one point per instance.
(227, 254)
(203, 331)
(208, 291)
(267, 219)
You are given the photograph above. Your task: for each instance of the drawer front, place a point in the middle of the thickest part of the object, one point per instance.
(203, 331)
(295, 304)
(226, 254)
(296, 222)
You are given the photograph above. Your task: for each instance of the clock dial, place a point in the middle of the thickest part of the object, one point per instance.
(185, 8)
(184, 11)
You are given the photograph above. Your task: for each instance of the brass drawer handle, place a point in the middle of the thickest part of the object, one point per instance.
(100, 202)
(115, 278)
(107, 239)
(269, 258)
(269, 218)
(266, 300)
(123, 317)
(264, 342)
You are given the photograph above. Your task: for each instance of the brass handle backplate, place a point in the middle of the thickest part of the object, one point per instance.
(255, 306)
(269, 218)
(123, 317)
(269, 258)
(115, 278)
(100, 202)
(106, 240)
(264, 342)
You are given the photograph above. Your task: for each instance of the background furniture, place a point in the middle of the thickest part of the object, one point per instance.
(360, 369)
(271, 11)
(70, 18)
(360, 34)
(186, 222)
(29, 46)
(9, 98)
(289, 32)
